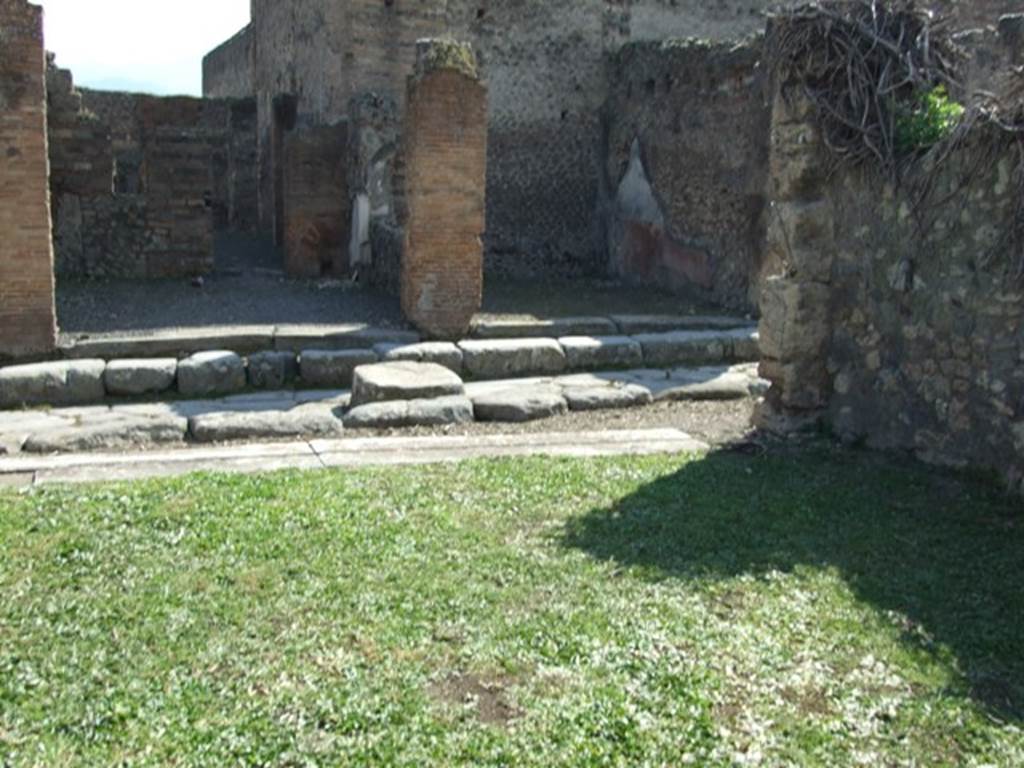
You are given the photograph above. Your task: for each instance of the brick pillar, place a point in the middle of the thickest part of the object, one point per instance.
(445, 176)
(27, 315)
(316, 206)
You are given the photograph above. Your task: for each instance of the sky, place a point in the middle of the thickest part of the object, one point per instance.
(155, 46)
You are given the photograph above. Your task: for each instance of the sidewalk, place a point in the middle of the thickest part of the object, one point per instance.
(26, 470)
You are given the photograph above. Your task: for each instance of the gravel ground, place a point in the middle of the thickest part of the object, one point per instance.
(249, 288)
(714, 422)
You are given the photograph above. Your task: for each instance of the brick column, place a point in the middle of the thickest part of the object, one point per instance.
(27, 315)
(445, 177)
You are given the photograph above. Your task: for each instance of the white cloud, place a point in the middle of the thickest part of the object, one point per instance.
(140, 44)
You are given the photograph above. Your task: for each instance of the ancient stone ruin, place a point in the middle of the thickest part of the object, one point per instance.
(431, 149)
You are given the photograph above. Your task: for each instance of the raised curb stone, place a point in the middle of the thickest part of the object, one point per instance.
(403, 381)
(272, 370)
(685, 348)
(68, 382)
(590, 352)
(140, 377)
(526, 328)
(303, 421)
(518, 406)
(325, 369)
(211, 373)
(632, 325)
(505, 358)
(440, 352)
(433, 412)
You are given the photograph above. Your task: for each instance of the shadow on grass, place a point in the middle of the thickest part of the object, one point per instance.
(945, 553)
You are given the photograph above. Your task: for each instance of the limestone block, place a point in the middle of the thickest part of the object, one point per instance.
(441, 352)
(211, 373)
(684, 348)
(403, 381)
(272, 370)
(606, 398)
(590, 352)
(503, 358)
(520, 404)
(327, 369)
(63, 383)
(394, 414)
(140, 377)
(303, 421)
(794, 319)
(109, 431)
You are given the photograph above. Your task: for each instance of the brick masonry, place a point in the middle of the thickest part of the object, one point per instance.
(316, 201)
(445, 180)
(27, 315)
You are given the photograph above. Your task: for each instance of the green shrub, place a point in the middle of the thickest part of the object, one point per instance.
(926, 120)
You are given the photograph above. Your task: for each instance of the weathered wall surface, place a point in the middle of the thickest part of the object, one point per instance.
(444, 154)
(900, 329)
(227, 69)
(687, 163)
(27, 316)
(138, 182)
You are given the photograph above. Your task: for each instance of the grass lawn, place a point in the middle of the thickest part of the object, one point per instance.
(808, 608)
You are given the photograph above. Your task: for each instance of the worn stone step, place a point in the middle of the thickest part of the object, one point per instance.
(698, 347)
(585, 353)
(313, 420)
(525, 328)
(326, 369)
(632, 325)
(440, 352)
(403, 381)
(433, 412)
(60, 383)
(505, 358)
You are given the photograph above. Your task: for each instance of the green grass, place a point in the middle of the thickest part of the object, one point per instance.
(815, 608)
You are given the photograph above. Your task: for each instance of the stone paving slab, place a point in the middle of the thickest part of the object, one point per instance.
(520, 404)
(178, 342)
(301, 421)
(110, 432)
(297, 338)
(525, 328)
(440, 352)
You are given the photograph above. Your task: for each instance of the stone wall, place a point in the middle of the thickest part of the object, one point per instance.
(27, 316)
(139, 182)
(227, 69)
(444, 159)
(687, 163)
(898, 326)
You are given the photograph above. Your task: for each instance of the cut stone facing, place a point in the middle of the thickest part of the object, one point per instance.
(403, 381)
(590, 352)
(685, 348)
(505, 358)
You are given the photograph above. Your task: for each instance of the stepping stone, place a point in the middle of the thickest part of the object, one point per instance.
(272, 370)
(524, 328)
(111, 431)
(140, 377)
(434, 412)
(505, 358)
(211, 373)
(589, 352)
(63, 383)
(303, 421)
(403, 381)
(519, 405)
(607, 398)
(631, 325)
(323, 369)
(440, 352)
(685, 348)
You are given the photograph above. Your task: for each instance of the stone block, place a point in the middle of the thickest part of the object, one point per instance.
(607, 397)
(685, 348)
(302, 421)
(109, 431)
(395, 414)
(520, 404)
(211, 373)
(403, 381)
(63, 383)
(440, 352)
(631, 325)
(746, 345)
(505, 358)
(590, 352)
(531, 328)
(794, 319)
(140, 377)
(324, 369)
(272, 370)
